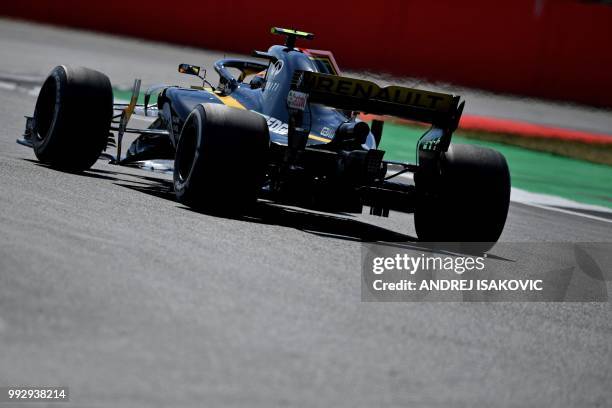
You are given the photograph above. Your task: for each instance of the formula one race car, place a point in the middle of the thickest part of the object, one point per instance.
(291, 134)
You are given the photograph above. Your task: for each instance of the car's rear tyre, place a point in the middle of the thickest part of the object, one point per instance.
(221, 158)
(72, 118)
(467, 201)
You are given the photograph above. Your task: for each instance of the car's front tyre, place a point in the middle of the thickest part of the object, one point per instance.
(72, 118)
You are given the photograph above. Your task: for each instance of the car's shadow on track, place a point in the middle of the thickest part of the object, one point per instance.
(328, 225)
(321, 224)
(339, 226)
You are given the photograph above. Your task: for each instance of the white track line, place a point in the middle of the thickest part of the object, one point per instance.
(552, 203)
(546, 202)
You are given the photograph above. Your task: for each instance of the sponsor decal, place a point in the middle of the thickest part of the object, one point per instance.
(281, 128)
(297, 100)
(276, 125)
(327, 132)
(272, 86)
(275, 68)
(430, 144)
(356, 88)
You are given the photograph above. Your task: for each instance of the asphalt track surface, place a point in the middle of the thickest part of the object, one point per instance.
(110, 286)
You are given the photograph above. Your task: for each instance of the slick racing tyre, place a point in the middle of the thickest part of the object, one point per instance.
(469, 198)
(72, 118)
(221, 158)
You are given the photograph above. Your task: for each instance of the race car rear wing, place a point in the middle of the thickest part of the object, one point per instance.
(441, 110)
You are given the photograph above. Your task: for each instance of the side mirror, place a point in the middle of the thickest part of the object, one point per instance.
(196, 71)
(191, 70)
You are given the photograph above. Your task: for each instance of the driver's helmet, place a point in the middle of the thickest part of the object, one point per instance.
(258, 80)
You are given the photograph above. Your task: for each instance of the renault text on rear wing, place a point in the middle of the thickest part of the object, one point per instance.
(365, 96)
